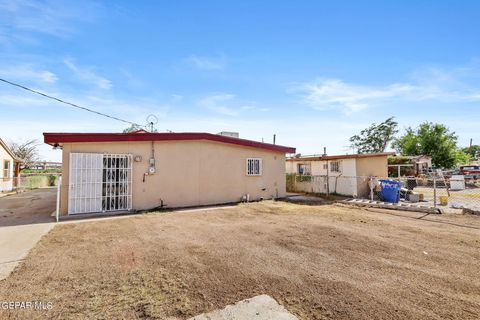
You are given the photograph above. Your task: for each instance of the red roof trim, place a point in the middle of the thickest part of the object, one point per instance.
(345, 156)
(58, 138)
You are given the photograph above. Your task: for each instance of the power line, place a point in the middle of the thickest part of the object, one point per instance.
(68, 103)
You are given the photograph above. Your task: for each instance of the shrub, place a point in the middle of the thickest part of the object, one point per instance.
(51, 179)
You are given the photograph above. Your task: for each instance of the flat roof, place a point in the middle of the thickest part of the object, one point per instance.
(343, 156)
(52, 138)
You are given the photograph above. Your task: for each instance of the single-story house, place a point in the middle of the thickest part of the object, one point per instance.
(342, 174)
(409, 165)
(142, 170)
(10, 167)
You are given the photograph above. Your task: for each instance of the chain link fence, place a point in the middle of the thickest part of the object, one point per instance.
(434, 190)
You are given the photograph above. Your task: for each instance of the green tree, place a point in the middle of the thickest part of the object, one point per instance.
(432, 139)
(132, 128)
(473, 151)
(376, 137)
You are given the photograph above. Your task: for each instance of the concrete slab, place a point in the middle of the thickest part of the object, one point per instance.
(261, 307)
(24, 219)
(305, 199)
(16, 242)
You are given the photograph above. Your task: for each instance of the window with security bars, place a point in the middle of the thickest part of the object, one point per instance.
(336, 166)
(254, 167)
(305, 169)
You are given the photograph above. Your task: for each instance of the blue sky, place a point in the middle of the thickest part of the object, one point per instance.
(313, 72)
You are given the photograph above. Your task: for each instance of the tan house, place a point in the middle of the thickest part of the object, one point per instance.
(342, 174)
(9, 169)
(136, 171)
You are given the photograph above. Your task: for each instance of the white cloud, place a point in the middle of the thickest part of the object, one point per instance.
(204, 63)
(176, 98)
(218, 103)
(28, 73)
(227, 104)
(88, 75)
(56, 18)
(429, 84)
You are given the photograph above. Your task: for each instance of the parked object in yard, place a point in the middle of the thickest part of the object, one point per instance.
(413, 197)
(457, 182)
(390, 191)
(411, 183)
(443, 200)
(471, 171)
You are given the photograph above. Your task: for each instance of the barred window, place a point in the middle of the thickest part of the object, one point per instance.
(254, 167)
(304, 169)
(336, 166)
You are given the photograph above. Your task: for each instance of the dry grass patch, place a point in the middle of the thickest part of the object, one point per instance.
(319, 261)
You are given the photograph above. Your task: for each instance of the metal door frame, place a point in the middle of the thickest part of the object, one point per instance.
(99, 182)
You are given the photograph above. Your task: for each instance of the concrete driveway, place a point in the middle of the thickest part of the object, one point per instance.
(24, 219)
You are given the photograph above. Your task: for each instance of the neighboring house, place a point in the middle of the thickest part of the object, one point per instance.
(140, 170)
(347, 174)
(409, 165)
(9, 168)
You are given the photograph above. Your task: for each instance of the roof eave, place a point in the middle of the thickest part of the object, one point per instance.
(10, 152)
(60, 138)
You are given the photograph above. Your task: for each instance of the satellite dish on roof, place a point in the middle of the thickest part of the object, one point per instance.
(152, 120)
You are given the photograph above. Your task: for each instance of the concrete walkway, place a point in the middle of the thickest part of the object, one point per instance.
(261, 307)
(24, 219)
(16, 242)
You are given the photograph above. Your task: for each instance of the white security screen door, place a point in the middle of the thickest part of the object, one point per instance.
(99, 182)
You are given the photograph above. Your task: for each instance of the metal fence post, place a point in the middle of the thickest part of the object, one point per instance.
(434, 191)
(328, 180)
(59, 186)
(371, 185)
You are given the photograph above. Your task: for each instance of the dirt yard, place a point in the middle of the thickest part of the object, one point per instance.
(320, 262)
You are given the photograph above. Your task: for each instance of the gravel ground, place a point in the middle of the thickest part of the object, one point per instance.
(320, 262)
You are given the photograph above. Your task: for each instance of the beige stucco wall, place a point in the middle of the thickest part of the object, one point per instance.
(352, 181)
(318, 167)
(374, 166)
(370, 167)
(338, 182)
(6, 183)
(190, 173)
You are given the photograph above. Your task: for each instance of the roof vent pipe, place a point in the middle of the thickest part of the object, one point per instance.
(324, 151)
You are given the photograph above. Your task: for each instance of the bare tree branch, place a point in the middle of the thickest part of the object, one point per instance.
(26, 151)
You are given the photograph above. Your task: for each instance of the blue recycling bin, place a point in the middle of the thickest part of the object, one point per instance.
(390, 191)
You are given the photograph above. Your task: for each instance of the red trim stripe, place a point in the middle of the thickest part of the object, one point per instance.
(344, 156)
(59, 138)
